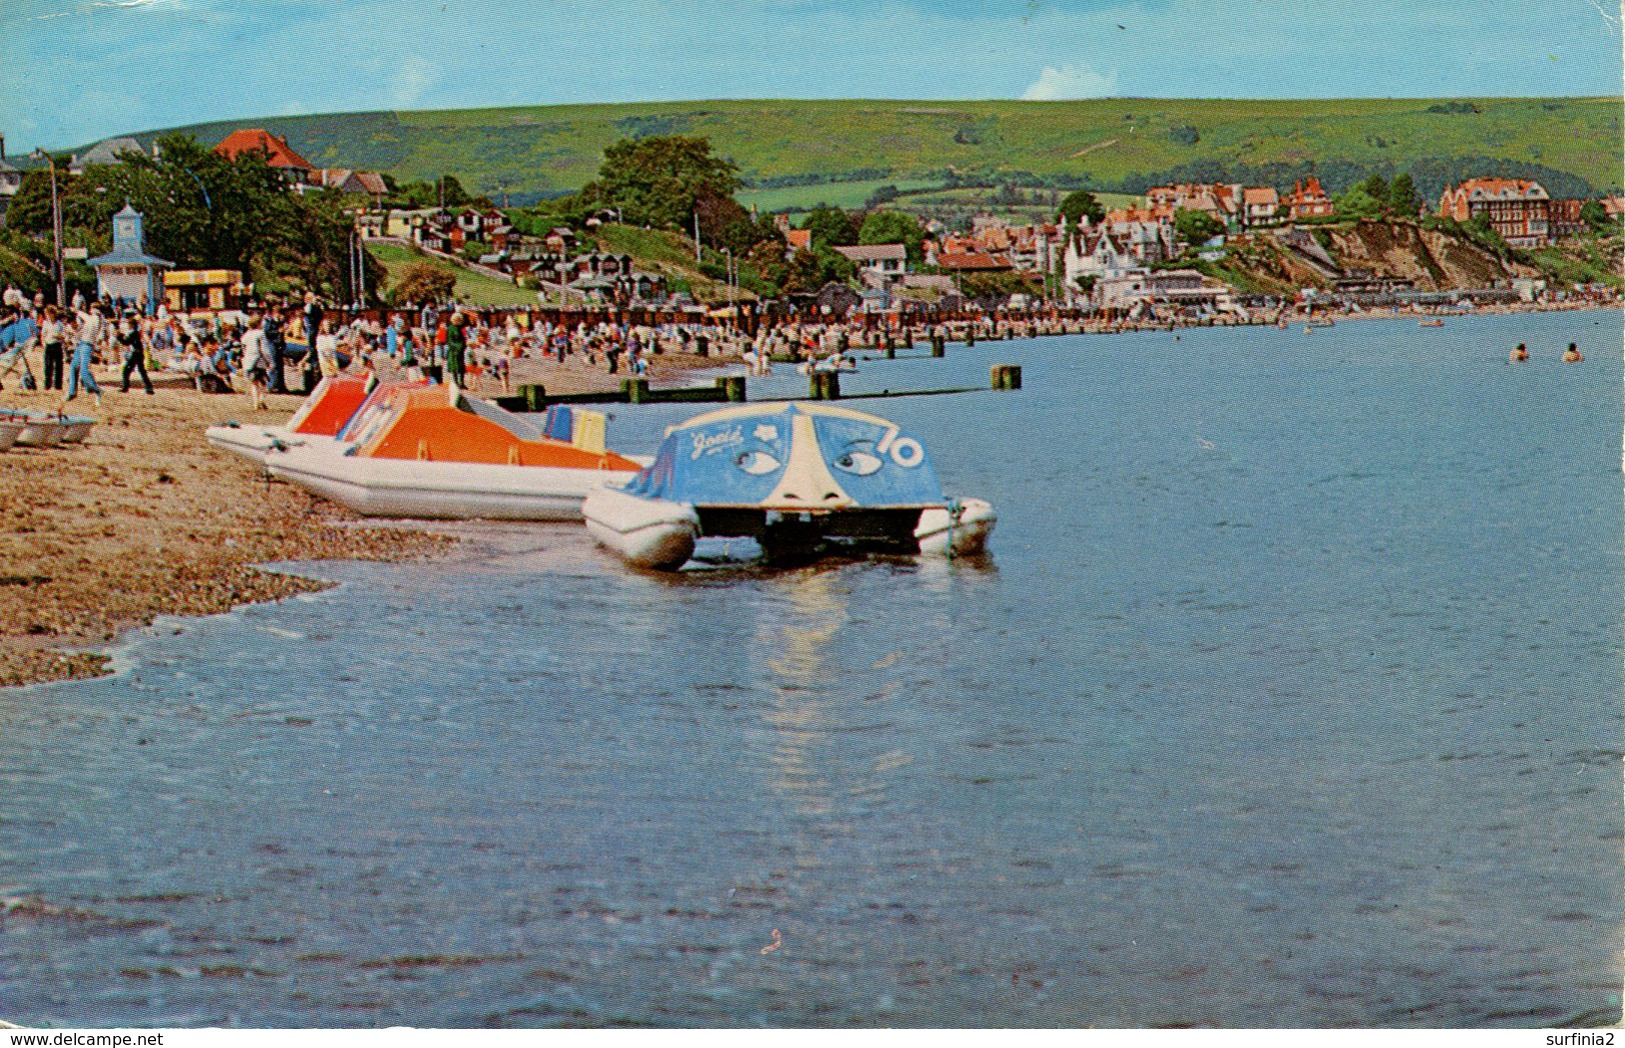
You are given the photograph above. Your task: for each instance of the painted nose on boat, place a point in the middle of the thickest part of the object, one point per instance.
(807, 483)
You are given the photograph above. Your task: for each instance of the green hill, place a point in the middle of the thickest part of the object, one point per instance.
(789, 150)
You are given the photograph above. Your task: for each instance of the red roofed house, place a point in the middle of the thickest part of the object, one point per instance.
(1260, 204)
(798, 240)
(1308, 200)
(277, 152)
(1518, 209)
(970, 262)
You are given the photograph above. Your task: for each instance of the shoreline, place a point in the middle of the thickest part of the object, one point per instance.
(146, 518)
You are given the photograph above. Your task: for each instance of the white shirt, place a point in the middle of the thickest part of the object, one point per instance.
(92, 328)
(256, 348)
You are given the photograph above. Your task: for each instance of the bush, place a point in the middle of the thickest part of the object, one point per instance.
(424, 282)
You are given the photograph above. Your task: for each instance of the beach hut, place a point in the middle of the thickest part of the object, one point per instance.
(127, 273)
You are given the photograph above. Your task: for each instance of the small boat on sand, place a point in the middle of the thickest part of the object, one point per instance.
(434, 452)
(319, 419)
(800, 479)
(1430, 323)
(43, 430)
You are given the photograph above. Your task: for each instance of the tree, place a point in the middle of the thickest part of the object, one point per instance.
(423, 282)
(1593, 214)
(830, 227)
(1376, 187)
(1359, 203)
(658, 181)
(1403, 199)
(894, 227)
(1081, 202)
(1196, 227)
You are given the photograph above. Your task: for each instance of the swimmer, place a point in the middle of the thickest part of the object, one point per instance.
(1572, 355)
(1518, 355)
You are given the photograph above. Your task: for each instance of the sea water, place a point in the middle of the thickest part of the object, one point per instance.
(1289, 695)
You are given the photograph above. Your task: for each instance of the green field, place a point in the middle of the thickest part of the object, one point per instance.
(473, 288)
(848, 195)
(1114, 144)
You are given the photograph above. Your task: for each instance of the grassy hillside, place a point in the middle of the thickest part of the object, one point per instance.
(657, 251)
(850, 147)
(473, 288)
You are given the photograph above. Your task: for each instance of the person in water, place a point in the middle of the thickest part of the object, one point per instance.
(1519, 355)
(1572, 354)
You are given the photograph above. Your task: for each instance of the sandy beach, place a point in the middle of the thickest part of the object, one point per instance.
(147, 518)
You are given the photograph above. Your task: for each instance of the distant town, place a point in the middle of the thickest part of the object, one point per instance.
(636, 237)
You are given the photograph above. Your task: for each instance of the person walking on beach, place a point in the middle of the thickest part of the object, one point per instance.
(277, 342)
(52, 334)
(92, 333)
(256, 363)
(456, 347)
(325, 349)
(1572, 354)
(135, 353)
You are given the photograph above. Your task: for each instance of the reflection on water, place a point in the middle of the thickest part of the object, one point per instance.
(1290, 701)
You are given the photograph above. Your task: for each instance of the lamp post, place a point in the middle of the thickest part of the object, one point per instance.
(56, 227)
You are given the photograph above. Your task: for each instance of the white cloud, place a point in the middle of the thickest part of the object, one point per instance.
(412, 78)
(1070, 81)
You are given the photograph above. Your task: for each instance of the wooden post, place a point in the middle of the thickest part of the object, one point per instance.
(636, 390)
(939, 346)
(824, 385)
(733, 388)
(535, 397)
(970, 334)
(1006, 376)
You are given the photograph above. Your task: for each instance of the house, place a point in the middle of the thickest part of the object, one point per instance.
(1179, 289)
(1612, 206)
(1147, 232)
(278, 154)
(970, 262)
(1308, 200)
(11, 180)
(104, 154)
(1565, 220)
(344, 180)
(1259, 205)
(886, 260)
(797, 240)
(561, 238)
(1518, 209)
(1094, 253)
(1219, 200)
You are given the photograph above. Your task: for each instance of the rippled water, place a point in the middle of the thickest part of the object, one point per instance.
(1291, 695)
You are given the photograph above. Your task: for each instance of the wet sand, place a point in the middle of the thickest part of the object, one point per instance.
(147, 518)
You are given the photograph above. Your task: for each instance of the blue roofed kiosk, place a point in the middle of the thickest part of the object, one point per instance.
(127, 273)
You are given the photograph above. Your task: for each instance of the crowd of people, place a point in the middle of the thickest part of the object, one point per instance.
(281, 347)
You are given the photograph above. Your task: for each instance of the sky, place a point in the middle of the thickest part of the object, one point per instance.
(78, 71)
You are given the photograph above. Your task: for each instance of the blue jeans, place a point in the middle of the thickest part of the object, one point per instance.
(80, 372)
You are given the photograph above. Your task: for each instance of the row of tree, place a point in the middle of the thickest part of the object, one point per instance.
(204, 211)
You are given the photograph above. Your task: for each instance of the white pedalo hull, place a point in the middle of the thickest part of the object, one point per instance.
(650, 533)
(439, 490)
(939, 534)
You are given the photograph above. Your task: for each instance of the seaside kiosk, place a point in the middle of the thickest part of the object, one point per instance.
(127, 273)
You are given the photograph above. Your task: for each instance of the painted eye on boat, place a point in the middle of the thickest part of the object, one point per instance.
(860, 462)
(756, 463)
